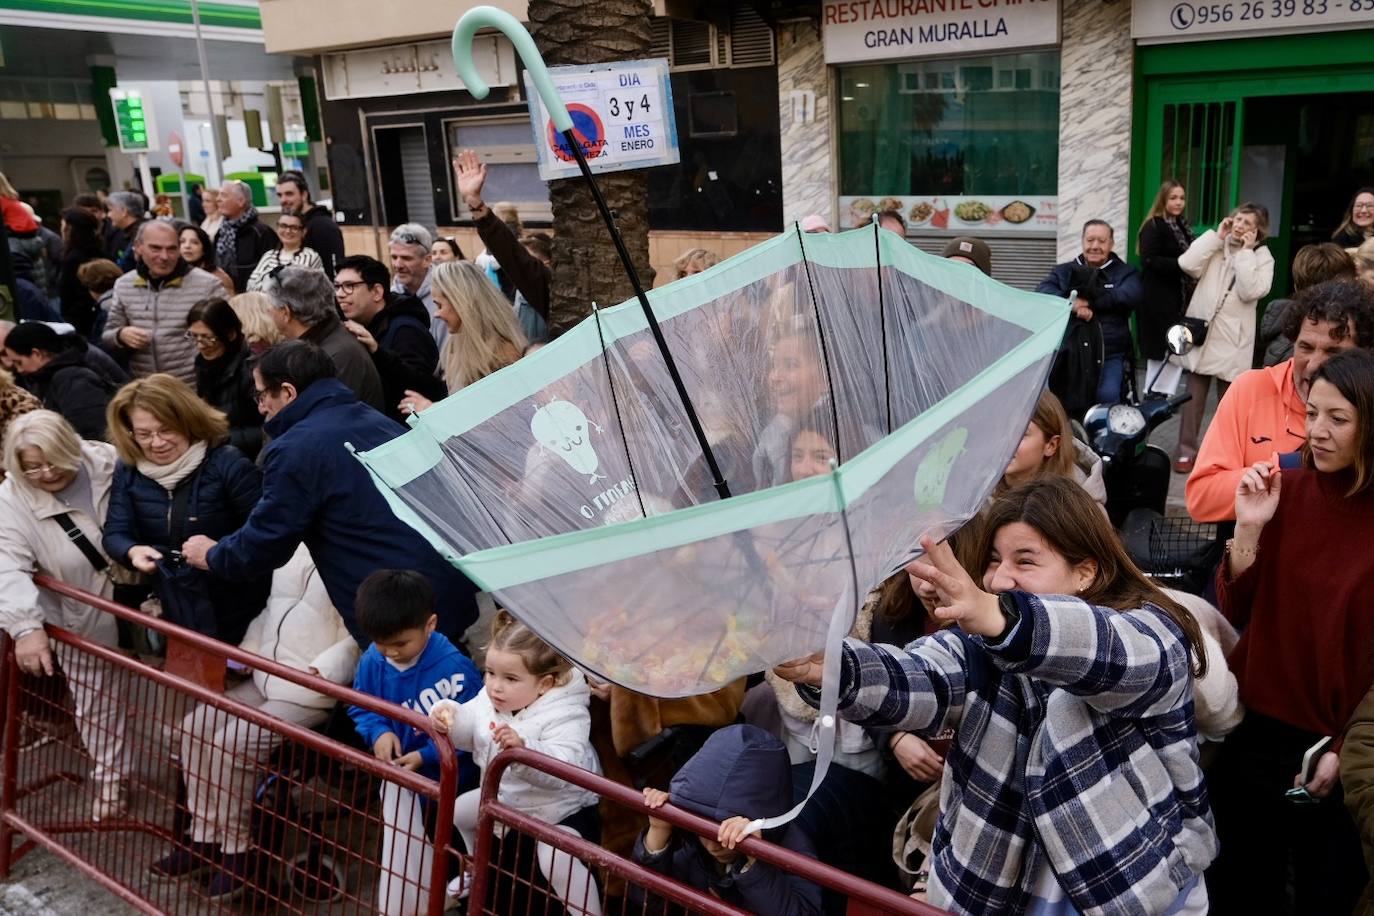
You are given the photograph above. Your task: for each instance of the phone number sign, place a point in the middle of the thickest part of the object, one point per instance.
(622, 116)
(1154, 21)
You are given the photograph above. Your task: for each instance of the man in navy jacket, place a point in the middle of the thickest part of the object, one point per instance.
(1108, 291)
(314, 490)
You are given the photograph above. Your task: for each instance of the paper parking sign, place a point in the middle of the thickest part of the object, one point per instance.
(622, 116)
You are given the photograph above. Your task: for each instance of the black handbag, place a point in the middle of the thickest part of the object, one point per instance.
(1197, 327)
(184, 590)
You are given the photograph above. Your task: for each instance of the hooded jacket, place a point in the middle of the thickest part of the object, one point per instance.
(1261, 414)
(741, 771)
(299, 628)
(324, 236)
(32, 542)
(406, 356)
(70, 387)
(315, 491)
(1114, 292)
(226, 384)
(557, 724)
(159, 306)
(440, 674)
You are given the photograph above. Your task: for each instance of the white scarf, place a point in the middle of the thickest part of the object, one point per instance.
(169, 475)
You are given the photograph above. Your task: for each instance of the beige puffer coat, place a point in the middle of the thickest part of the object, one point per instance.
(31, 541)
(161, 312)
(1230, 344)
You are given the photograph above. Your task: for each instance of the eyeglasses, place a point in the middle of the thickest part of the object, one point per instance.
(287, 227)
(144, 436)
(346, 287)
(1363, 207)
(42, 470)
(260, 393)
(408, 238)
(200, 338)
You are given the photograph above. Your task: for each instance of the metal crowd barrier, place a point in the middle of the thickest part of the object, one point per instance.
(107, 766)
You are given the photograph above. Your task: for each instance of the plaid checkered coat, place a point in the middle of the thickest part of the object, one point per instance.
(1075, 743)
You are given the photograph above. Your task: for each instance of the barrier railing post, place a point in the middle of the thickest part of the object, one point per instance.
(443, 830)
(9, 672)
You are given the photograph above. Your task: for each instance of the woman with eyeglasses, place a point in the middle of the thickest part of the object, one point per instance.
(292, 253)
(198, 251)
(224, 379)
(177, 477)
(52, 509)
(1358, 222)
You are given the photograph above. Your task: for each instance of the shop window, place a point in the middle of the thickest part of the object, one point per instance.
(507, 147)
(965, 138)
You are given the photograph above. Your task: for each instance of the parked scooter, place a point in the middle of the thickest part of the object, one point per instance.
(1173, 550)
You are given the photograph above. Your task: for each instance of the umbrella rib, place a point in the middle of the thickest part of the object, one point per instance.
(825, 351)
(882, 322)
(615, 402)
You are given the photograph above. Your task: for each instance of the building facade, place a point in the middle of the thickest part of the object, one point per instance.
(1017, 120)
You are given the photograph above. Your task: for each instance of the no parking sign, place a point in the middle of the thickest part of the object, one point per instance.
(622, 115)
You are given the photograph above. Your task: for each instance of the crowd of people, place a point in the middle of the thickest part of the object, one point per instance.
(1029, 723)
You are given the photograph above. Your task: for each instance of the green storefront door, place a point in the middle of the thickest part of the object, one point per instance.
(1213, 116)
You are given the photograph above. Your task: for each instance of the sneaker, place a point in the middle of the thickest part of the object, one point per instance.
(111, 801)
(185, 860)
(461, 886)
(231, 880)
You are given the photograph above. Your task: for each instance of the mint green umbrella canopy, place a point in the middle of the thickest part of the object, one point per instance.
(571, 487)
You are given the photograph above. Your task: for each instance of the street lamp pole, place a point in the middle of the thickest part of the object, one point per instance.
(216, 173)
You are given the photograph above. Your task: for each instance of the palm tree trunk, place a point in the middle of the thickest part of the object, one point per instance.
(586, 267)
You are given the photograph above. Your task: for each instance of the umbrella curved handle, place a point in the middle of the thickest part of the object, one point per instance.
(484, 17)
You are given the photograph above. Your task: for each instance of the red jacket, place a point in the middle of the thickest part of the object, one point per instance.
(17, 218)
(1306, 656)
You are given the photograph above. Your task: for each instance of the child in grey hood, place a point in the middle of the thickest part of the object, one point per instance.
(741, 773)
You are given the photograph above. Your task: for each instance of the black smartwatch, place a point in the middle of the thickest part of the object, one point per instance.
(1006, 603)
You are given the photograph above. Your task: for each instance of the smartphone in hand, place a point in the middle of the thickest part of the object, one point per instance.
(1299, 794)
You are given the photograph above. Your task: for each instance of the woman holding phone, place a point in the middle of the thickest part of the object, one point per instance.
(1233, 272)
(1068, 684)
(1304, 661)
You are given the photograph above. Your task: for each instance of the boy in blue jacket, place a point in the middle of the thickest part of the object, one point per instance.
(411, 665)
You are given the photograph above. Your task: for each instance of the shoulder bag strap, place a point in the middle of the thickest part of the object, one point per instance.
(181, 507)
(1230, 286)
(83, 543)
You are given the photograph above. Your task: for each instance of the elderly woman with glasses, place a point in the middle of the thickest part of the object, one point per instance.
(53, 503)
(292, 253)
(177, 477)
(224, 380)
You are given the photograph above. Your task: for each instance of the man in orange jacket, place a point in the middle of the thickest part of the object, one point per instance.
(1264, 412)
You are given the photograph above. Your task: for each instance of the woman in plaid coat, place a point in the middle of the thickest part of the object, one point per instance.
(1072, 785)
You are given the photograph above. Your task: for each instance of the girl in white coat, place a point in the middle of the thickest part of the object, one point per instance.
(534, 698)
(1234, 272)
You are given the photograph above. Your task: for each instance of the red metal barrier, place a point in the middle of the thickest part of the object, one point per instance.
(304, 806)
(307, 805)
(497, 883)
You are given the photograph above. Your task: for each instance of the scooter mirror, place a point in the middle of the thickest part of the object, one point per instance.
(1179, 339)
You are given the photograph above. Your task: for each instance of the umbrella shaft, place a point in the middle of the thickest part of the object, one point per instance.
(718, 480)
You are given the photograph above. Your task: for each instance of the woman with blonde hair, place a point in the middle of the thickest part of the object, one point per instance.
(1364, 262)
(484, 335)
(258, 327)
(177, 478)
(52, 508)
(694, 261)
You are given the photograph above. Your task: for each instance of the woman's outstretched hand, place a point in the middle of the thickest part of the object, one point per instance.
(974, 610)
(803, 670)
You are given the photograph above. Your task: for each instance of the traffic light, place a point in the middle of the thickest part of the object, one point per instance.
(133, 122)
